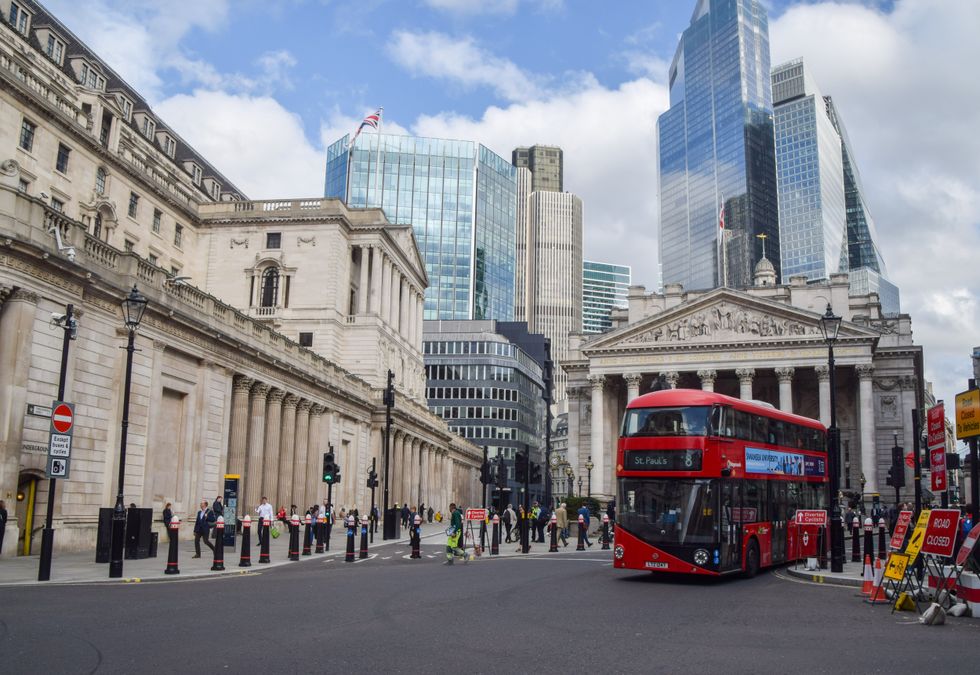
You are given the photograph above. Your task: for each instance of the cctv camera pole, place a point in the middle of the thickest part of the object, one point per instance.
(47, 535)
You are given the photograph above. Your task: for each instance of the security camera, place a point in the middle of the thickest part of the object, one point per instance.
(45, 196)
(57, 317)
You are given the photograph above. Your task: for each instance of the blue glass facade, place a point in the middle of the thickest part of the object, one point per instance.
(716, 145)
(461, 200)
(604, 286)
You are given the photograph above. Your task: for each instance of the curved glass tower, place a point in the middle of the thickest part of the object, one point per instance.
(717, 150)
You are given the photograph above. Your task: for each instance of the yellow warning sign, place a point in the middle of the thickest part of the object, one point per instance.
(968, 414)
(895, 567)
(918, 536)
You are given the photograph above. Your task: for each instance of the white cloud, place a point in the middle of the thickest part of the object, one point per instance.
(460, 61)
(490, 6)
(912, 107)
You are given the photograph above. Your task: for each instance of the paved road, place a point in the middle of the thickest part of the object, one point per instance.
(541, 614)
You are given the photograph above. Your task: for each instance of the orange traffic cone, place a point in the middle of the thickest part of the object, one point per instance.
(878, 592)
(868, 584)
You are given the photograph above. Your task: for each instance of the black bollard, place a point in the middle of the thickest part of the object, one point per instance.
(581, 534)
(264, 537)
(219, 546)
(307, 535)
(417, 538)
(350, 539)
(246, 559)
(855, 540)
(822, 547)
(364, 538)
(882, 547)
(605, 532)
(294, 537)
(553, 524)
(869, 540)
(319, 534)
(327, 526)
(495, 536)
(172, 557)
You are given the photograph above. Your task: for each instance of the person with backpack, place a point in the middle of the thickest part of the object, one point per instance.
(508, 519)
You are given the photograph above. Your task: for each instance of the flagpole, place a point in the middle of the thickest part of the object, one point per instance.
(377, 164)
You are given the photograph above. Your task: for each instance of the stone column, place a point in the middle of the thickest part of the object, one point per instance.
(574, 422)
(869, 455)
(745, 376)
(708, 377)
(823, 388)
(314, 455)
(632, 385)
(597, 447)
(362, 286)
(413, 493)
(287, 446)
(396, 300)
(270, 463)
(413, 318)
(301, 465)
(386, 290)
(423, 471)
(403, 317)
(406, 470)
(785, 376)
(238, 436)
(420, 319)
(252, 480)
(375, 296)
(17, 316)
(671, 376)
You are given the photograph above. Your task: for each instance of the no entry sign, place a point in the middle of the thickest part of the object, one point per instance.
(60, 438)
(941, 532)
(62, 418)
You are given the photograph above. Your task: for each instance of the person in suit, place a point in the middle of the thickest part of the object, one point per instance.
(217, 509)
(202, 528)
(3, 521)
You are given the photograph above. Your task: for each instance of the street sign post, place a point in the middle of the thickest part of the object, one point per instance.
(936, 442)
(940, 537)
(59, 439)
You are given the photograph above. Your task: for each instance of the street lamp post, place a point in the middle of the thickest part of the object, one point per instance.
(831, 327)
(588, 467)
(571, 480)
(579, 486)
(133, 306)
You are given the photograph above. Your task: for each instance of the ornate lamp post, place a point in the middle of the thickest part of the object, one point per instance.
(133, 306)
(831, 327)
(571, 480)
(588, 467)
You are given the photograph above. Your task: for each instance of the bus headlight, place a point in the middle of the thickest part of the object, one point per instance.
(701, 557)
(619, 552)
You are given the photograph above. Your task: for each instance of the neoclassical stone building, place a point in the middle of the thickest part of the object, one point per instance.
(269, 330)
(763, 343)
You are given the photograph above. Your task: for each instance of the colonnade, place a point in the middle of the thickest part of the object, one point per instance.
(420, 472)
(385, 292)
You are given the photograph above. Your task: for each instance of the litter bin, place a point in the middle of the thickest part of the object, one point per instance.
(392, 524)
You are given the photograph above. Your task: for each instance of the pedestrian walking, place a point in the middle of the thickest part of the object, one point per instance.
(405, 514)
(584, 512)
(561, 513)
(202, 528)
(430, 514)
(509, 519)
(611, 511)
(264, 512)
(3, 521)
(454, 534)
(218, 509)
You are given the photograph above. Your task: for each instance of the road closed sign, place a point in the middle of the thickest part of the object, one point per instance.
(968, 414)
(940, 538)
(901, 529)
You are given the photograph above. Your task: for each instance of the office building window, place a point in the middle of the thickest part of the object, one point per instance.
(129, 245)
(27, 130)
(134, 202)
(157, 218)
(273, 240)
(100, 177)
(62, 162)
(270, 287)
(19, 18)
(57, 205)
(178, 234)
(55, 49)
(24, 185)
(154, 259)
(306, 339)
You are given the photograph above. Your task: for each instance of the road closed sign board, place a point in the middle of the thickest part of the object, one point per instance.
(811, 517)
(968, 545)
(941, 532)
(60, 438)
(476, 514)
(968, 414)
(901, 529)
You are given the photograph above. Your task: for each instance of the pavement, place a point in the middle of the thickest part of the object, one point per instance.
(81, 568)
(853, 574)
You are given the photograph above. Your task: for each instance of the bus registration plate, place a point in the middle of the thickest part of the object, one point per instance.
(656, 565)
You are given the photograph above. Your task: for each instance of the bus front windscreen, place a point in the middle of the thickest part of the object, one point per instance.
(686, 421)
(669, 511)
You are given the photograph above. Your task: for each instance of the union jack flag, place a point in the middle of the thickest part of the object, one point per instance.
(372, 120)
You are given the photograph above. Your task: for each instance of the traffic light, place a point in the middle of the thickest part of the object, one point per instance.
(372, 481)
(896, 472)
(501, 474)
(535, 473)
(331, 473)
(485, 473)
(520, 467)
(389, 393)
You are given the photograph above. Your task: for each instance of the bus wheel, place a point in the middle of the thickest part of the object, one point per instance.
(752, 559)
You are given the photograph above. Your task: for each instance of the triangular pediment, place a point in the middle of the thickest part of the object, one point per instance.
(723, 316)
(404, 238)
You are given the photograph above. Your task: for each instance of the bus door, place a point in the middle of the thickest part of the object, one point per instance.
(731, 525)
(778, 499)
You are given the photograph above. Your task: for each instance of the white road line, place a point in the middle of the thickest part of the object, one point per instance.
(370, 557)
(386, 557)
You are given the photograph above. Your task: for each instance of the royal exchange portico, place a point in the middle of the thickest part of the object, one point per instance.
(763, 343)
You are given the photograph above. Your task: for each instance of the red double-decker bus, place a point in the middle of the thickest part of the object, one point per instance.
(709, 484)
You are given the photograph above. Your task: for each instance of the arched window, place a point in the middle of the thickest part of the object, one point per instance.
(270, 287)
(100, 181)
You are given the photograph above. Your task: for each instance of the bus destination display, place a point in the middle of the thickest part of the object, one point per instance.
(662, 460)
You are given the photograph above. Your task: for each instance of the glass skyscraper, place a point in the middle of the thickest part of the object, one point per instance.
(461, 200)
(825, 223)
(716, 149)
(604, 286)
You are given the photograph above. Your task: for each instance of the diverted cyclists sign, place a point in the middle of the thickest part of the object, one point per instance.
(941, 532)
(476, 514)
(811, 517)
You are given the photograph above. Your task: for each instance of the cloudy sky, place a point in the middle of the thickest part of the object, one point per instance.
(261, 87)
